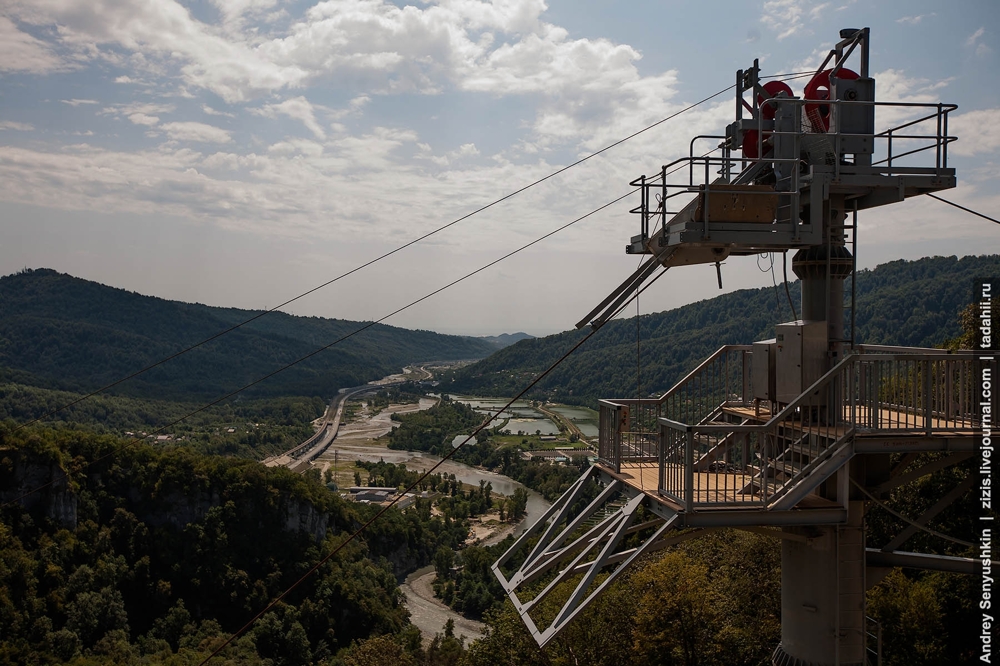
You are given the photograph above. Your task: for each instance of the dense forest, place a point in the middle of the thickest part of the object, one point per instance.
(142, 555)
(62, 332)
(914, 303)
(253, 428)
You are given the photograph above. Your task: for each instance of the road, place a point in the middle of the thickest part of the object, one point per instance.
(562, 420)
(300, 457)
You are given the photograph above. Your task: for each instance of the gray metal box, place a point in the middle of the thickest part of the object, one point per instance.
(855, 119)
(763, 369)
(800, 357)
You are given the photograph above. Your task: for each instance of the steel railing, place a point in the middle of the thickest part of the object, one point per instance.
(629, 430)
(711, 448)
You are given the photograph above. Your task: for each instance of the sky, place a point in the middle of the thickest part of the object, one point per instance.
(240, 152)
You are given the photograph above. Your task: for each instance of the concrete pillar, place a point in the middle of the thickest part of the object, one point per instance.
(823, 595)
(823, 578)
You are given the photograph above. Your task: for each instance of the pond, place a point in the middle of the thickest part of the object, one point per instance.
(584, 419)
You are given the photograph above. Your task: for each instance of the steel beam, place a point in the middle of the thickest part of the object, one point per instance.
(965, 565)
(925, 517)
(923, 470)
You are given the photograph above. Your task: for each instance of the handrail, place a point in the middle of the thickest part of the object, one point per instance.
(922, 392)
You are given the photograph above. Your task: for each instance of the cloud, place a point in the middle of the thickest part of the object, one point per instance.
(297, 108)
(143, 119)
(786, 17)
(164, 34)
(212, 112)
(466, 150)
(11, 125)
(20, 52)
(915, 20)
(499, 47)
(139, 109)
(78, 102)
(978, 132)
(124, 79)
(193, 131)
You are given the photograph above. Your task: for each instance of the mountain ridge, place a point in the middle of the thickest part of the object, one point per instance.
(63, 332)
(910, 303)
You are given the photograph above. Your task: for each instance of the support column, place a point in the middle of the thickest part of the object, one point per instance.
(823, 595)
(822, 579)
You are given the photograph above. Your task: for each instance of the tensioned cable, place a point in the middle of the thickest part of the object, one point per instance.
(335, 342)
(376, 259)
(388, 506)
(788, 293)
(967, 210)
(911, 522)
(492, 417)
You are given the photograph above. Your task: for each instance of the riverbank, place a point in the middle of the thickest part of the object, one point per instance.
(429, 614)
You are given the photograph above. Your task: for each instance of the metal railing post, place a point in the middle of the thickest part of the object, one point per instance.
(689, 470)
(747, 389)
(661, 456)
(928, 422)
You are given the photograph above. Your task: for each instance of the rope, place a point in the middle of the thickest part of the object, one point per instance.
(967, 210)
(328, 346)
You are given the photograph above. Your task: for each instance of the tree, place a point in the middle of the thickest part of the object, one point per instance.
(518, 503)
(378, 651)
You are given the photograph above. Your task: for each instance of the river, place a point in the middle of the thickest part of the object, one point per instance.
(354, 442)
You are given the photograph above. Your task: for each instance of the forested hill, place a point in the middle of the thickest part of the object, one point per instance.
(58, 331)
(913, 303)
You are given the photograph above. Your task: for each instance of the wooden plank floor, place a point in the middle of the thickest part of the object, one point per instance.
(888, 421)
(717, 488)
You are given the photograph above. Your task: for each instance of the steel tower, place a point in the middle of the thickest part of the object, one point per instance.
(791, 435)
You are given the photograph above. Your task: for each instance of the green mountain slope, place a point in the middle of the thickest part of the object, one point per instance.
(58, 331)
(913, 303)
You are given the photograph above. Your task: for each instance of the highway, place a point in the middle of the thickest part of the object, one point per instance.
(299, 458)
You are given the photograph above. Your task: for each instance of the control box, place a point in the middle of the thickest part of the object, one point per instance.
(800, 357)
(763, 370)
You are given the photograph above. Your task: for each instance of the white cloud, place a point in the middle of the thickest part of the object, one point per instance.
(466, 150)
(124, 79)
(20, 52)
(143, 119)
(915, 20)
(980, 48)
(784, 16)
(193, 131)
(213, 112)
(78, 102)
(497, 47)
(162, 32)
(137, 108)
(234, 10)
(12, 125)
(297, 108)
(978, 132)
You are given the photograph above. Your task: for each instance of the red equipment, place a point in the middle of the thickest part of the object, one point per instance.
(767, 113)
(818, 88)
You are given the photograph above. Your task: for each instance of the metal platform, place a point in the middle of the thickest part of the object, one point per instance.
(790, 435)
(706, 456)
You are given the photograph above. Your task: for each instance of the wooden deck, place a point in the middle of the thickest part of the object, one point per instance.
(886, 422)
(714, 489)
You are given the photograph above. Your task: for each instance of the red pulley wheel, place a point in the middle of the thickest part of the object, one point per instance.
(772, 88)
(818, 89)
(767, 113)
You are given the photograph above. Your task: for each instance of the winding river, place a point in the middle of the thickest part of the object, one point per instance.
(354, 442)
